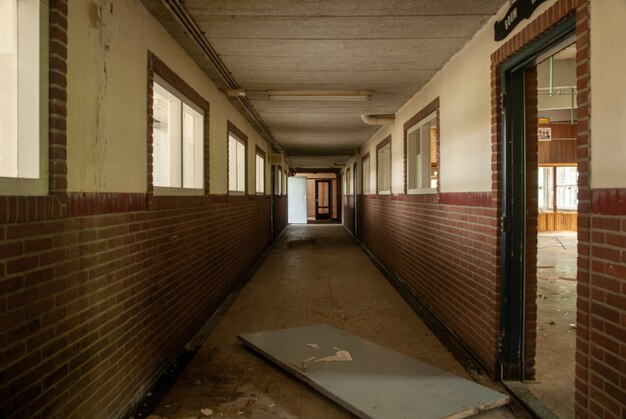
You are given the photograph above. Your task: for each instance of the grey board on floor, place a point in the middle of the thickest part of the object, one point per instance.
(377, 382)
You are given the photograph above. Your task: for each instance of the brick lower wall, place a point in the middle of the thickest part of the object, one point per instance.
(93, 306)
(443, 248)
(601, 321)
(281, 214)
(348, 212)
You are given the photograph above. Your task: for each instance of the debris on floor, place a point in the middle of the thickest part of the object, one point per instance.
(313, 345)
(339, 356)
(301, 242)
(403, 385)
(206, 412)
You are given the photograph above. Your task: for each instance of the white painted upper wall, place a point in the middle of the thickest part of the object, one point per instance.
(608, 94)
(464, 90)
(107, 99)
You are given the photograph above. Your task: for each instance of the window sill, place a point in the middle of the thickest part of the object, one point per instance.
(237, 193)
(384, 193)
(164, 191)
(422, 191)
(23, 187)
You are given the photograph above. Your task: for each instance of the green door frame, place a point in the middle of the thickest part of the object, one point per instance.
(513, 201)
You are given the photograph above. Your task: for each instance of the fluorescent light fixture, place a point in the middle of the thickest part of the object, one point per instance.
(235, 93)
(319, 95)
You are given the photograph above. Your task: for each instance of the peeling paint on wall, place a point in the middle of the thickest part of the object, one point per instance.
(106, 26)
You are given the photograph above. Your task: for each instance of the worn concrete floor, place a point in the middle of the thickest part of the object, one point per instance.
(315, 274)
(556, 317)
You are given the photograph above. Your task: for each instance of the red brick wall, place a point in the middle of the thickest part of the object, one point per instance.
(98, 291)
(348, 212)
(601, 344)
(281, 214)
(443, 248)
(601, 315)
(94, 306)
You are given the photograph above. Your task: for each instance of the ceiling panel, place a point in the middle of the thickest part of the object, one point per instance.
(389, 47)
(391, 27)
(201, 8)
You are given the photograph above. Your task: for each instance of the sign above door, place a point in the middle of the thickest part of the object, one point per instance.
(520, 10)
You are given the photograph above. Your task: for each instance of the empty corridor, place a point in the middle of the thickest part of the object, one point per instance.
(315, 274)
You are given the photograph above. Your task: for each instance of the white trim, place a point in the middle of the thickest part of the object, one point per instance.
(165, 191)
(20, 186)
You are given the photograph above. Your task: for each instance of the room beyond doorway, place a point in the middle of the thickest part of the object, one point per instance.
(321, 197)
(557, 204)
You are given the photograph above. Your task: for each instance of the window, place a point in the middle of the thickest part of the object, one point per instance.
(278, 179)
(348, 186)
(421, 156)
(23, 97)
(558, 188)
(366, 174)
(236, 164)
(260, 172)
(284, 183)
(567, 188)
(383, 160)
(178, 141)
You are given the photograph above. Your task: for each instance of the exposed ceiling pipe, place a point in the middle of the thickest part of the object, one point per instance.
(378, 119)
(178, 10)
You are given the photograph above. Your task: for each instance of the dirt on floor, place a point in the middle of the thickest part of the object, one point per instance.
(556, 322)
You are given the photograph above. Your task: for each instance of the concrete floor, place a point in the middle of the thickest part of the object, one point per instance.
(315, 274)
(556, 319)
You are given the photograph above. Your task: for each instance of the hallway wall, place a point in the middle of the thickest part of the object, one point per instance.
(101, 286)
(445, 254)
(444, 246)
(96, 304)
(281, 214)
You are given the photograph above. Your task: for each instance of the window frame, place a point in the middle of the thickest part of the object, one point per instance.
(260, 153)
(180, 190)
(551, 186)
(237, 135)
(36, 186)
(366, 174)
(421, 126)
(379, 148)
(429, 112)
(157, 69)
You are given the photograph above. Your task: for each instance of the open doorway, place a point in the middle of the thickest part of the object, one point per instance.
(321, 199)
(539, 203)
(557, 203)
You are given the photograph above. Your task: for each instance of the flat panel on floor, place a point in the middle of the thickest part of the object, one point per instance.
(369, 380)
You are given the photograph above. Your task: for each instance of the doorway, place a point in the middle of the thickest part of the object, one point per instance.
(539, 202)
(323, 199)
(296, 200)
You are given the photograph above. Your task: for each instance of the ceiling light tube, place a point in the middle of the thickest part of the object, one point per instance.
(340, 95)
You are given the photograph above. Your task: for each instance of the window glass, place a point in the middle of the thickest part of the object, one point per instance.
(23, 98)
(177, 140)
(366, 175)
(384, 169)
(557, 185)
(567, 188)
(260, 174)
(421, 158)
(236, 164)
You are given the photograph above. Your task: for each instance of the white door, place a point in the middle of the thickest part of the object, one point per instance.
(297, 200)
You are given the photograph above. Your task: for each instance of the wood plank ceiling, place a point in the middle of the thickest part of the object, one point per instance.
(388, 47)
